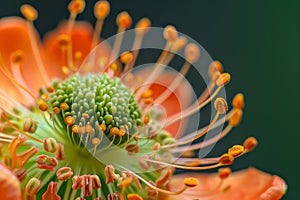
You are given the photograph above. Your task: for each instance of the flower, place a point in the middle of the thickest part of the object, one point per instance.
(79, 122)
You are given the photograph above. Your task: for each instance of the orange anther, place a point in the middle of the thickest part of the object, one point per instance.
(236, 150)
(64, 40)
(142, 26)
(121, 133)
(236, 117)
(148, 100)
(75, 129)
(170, 33)
(147, 94)
(214, 67)
(221, 105)
(17, 57)
(250, 143)
(134, 197)
(29, 12)
(96, 141)
(76, 6)
(238, 101)
(114, 131)
(56, 110)
(89, 128)
(43, 106)
(70, 120)
(50, 89)
(124, 20)
(192, 53)
(126, 57)
(146, 119)
(224, 172)
(64, 106)
(226, 159)
(101, 9)
(102, 127)
(223, 80)
(78, 55)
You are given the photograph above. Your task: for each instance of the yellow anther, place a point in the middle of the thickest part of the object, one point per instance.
(142, 26)
(114, 131)
(236, 150)
(238, 101)
(44, 96)
(224, 79)
(29, 12)
(70, 120)
(56, 110)
(64, 106)
(224, 172)
(214, 67)
(122, 132)
(146, 119)
(191, 182)
(147, 94)
(192, 53)
(134, 197)
(235, 117)
(50, 89)
(76, 6)
(170, 33)
(221, 105)
(65, 70)
(43, 106)
(250, 143)
(114, 67)
(64, 40)
(95, 141)
(226, 159)
(78, 55)
(124, 20)
(75, 129)
(101, 9)
(126, 182)
(17, 57)
(126, 57)
(102, 127)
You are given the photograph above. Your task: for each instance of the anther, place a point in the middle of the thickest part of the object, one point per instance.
(114, 131)
(190, 182)
(250, 143)
(101, 9)
(126, 57)
(170, 33)
(96, 141)
(60, 153)
(50, 145)
(179, 44)
(110, 174)
(235, 118)
(238, 101)
(147, 94)
(30, 125)
(132, 149)
(29, 12)
(43, 106)
(50, 89)
(214, 67)
(226, 159)
(33, 186)
(96, 183)
(46, 162)
(64, 41)
(20, 173)
(64, 106)
(102, 127)
(70, 120)
(192, 53)
(56, 110)
(123, 20)
(236, 150)
(76, 6)
(17, 57)
(221, 105)
(142, 26)
(223, 80)
(64, 173)
(146, 119)
(134, 197)
(224, 172)
(51, 192)
(75, 129)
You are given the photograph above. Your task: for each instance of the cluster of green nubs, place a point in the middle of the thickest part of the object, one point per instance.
(95, 100)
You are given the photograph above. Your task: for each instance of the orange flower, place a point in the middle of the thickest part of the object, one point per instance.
(78, 121)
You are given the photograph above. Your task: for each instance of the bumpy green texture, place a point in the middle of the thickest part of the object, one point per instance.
(97, 99)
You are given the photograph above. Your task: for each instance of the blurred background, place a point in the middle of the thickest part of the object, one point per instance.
(258, 43)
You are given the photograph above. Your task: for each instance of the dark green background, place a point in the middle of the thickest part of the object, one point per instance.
(258, 42)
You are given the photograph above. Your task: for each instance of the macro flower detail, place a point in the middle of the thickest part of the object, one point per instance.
(80, 120)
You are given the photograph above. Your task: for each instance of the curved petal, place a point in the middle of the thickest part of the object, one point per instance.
(10, 188)
(246, 184)
(14, 35)
(81, 37)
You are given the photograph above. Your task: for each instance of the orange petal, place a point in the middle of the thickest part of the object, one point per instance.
(247, 184)
(180, 98)
(10, 188)
(14, 35)
(81, 37)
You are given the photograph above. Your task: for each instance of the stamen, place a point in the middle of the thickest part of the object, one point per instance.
(134, 197)
(50, 145)
(33, 186)
(238, 101)
(30, 125)
(64, 173)
(250, 144)
(101, 11)
(224, 79)
(46, 162)
(31, 14)
(51, 192)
